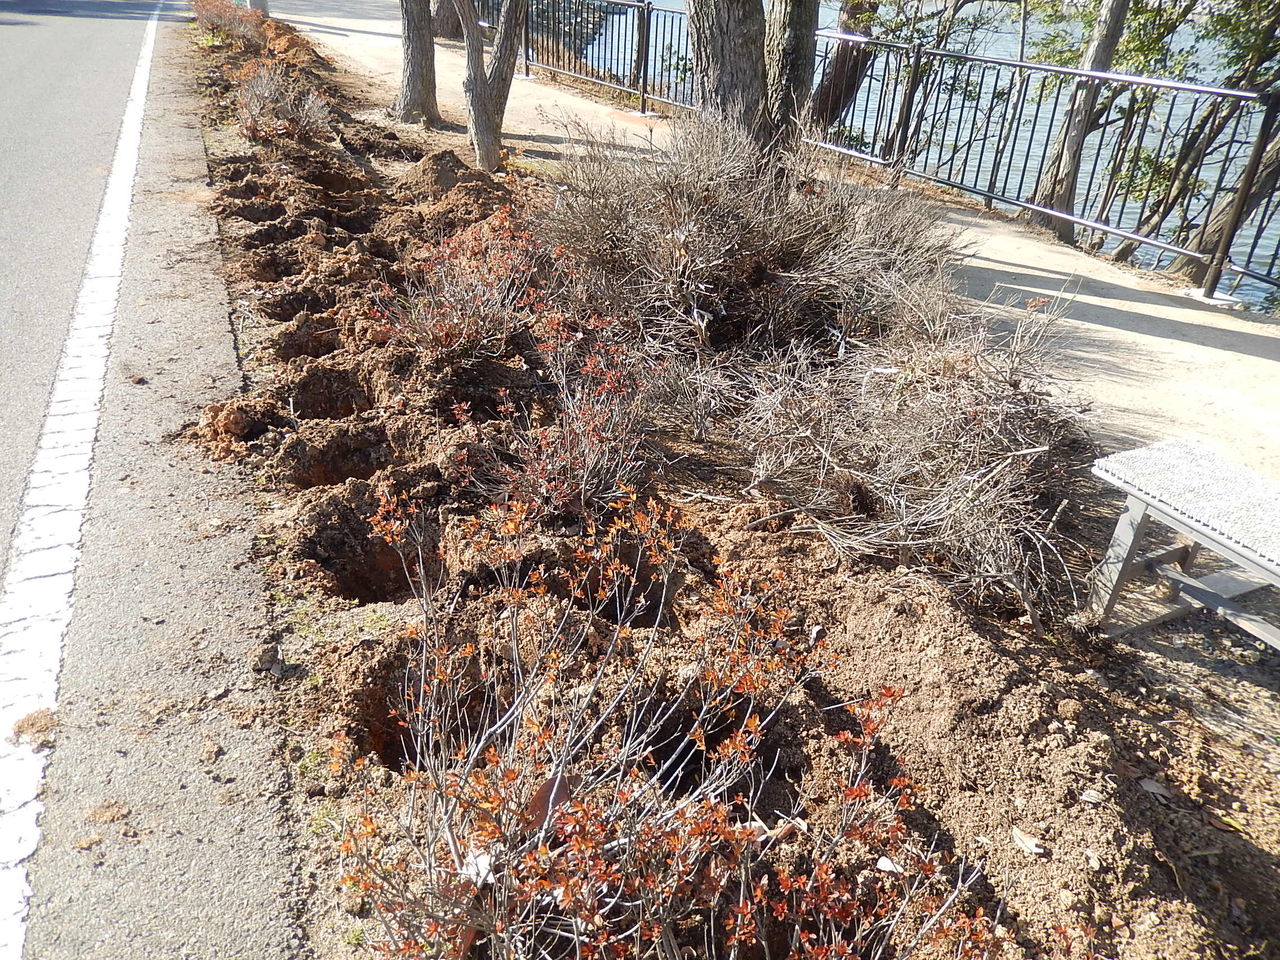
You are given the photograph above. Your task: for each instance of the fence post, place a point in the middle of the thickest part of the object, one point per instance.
(642, 51)
(524, 37)
(1243, 189)
(899, 156)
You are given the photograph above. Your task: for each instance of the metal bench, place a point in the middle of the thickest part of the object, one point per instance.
(1214, 503)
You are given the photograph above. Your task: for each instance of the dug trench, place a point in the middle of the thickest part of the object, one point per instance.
(1092, 817)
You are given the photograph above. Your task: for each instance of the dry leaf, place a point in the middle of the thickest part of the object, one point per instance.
(547, 798)
(1026, 842)
(1155, 787)
(783, 831)
(1223, 822)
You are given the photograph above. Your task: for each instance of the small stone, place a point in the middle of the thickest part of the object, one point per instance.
(334, 790)
(211, 752)
(313, 788)
(217, 693)
(264, 658)
(1068, 899)
(1070, 709)
(1096, 678)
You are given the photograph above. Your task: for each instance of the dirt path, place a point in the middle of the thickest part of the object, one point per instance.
(1152, 364)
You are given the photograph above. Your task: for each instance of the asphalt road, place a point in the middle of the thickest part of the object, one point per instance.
(65, 69)
(163, 833)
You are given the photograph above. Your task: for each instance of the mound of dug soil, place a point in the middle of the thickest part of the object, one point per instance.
(1026, 759)
(1022, 764)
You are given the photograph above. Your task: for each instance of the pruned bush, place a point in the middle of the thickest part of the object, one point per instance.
(272, 103)
(468, 293)
(716, 241)
(231, 22)
(921, 451)
(572, 790)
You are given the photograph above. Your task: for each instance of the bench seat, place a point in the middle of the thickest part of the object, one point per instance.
(1230, 509)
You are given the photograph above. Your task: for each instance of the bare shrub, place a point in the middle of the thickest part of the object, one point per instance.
(922, 451)
(468, 293)
(572, 792)
(233, 23)
(808, 324)
(271, 103)
(715, 240)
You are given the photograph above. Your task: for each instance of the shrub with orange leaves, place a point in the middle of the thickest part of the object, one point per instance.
(575, 785)
(231, 22)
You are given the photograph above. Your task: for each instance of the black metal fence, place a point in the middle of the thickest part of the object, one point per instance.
(1166, 170)
(634, 47)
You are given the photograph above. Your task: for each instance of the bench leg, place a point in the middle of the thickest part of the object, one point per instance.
(1190, 550)
(1115, 568)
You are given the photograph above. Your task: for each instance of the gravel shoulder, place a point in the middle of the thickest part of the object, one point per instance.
(163, 833)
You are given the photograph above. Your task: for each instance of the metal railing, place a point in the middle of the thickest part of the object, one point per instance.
(1164, 166)
(634, 47)
(1166, 170)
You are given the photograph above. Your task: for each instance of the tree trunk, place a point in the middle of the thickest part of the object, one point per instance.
(487, 88)
(417, 99)
(1056, 187)
(727, 37)
(1215, 225)
(1209, 126)
(847, 67)
(1185, 172)
(446, 22)
(789, 51)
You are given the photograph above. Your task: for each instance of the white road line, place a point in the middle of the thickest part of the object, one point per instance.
(36, 598)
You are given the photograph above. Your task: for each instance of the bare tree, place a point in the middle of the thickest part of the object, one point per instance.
(417, 99)
(1056, 187)
(448, 25)
(488, 85)
(789, 50)
(1255, 70)
(727, 37)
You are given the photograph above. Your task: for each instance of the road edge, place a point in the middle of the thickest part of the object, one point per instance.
(166, 831)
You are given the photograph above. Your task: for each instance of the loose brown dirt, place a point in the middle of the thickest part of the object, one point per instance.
(1092, 799)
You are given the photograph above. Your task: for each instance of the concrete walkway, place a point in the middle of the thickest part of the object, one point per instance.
(1152, 363)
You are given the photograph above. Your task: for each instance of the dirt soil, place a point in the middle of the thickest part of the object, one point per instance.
(1095, 787)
